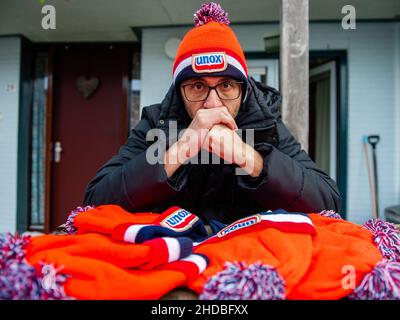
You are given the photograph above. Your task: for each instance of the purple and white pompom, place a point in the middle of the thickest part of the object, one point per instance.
(18, 279)
(330, 214)
(69, 225)
(241, 282)
(386, 238)
(382, 283)
(12, 247)
(210, 12)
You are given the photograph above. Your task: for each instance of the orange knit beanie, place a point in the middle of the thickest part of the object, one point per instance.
(210, 48)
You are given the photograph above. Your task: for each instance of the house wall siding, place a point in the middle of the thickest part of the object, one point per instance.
(9, 115)
(396, 82)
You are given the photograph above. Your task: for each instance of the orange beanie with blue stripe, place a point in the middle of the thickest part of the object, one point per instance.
(211, 48)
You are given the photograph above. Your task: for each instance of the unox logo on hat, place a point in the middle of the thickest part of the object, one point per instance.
(209, 62)
(179, 220)
(240, 224)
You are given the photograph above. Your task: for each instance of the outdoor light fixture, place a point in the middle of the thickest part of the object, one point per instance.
(171, 46)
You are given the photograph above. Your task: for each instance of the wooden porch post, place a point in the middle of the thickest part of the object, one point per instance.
(294, 65)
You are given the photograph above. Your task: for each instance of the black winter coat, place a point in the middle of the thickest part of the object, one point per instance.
(289, 179)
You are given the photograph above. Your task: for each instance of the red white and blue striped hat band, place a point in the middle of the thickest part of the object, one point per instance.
(210, 62)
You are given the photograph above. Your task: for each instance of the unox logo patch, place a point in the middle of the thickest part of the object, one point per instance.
(209, 62)
(240, 224)
(179, 220)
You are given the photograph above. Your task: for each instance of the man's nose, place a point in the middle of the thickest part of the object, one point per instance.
(212, 101)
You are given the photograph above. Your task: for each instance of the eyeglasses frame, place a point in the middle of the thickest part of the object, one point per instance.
(212, 88)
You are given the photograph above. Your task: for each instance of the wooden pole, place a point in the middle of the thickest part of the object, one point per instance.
(294, 55)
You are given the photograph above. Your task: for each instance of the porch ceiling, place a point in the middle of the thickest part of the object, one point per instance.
(112, 20)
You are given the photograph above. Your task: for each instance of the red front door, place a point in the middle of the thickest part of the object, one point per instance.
(90, 120)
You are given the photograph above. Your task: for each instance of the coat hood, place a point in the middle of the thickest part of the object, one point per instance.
(260, 109)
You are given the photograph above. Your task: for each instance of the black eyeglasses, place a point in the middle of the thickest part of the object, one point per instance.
(226, 90)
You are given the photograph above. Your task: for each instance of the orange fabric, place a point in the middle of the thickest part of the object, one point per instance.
(311, 266)
(289, 253)
(337, 244)
(96, 279)
(100, 267)
(210, 36)
(104, 218)
(91, 245)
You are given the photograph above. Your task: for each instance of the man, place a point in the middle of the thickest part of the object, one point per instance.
(210, 99)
